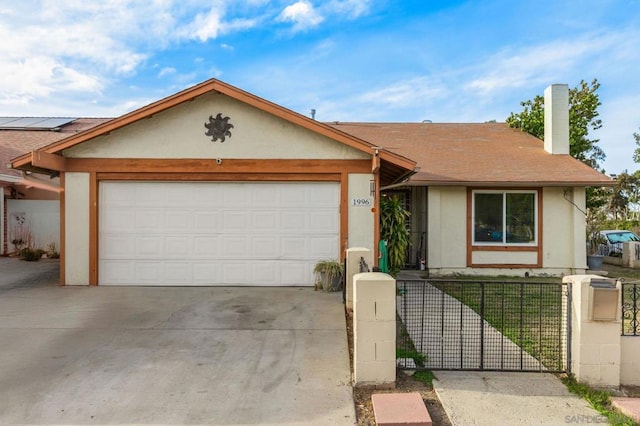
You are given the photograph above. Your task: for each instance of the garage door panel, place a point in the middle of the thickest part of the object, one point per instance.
(264, 247)
(293, 247)
(178, 246)
(296, 195)
(294, 221)
(118, 272)
(118, 195)
(119, 220)
(236, 195)
(264, 221)
(233, 247)
(322, 247)
(149, 220)
(150, 195)
(206, 246)
(324, 196)
(268, 195)
(207, 273)
(234, 272)
(207, 221)
(149, 247)
(293, 273)
(118, 246)
(179, 221)
(216, 233)
(235, 220)
(146, 272)
(207, 195)
(323, 221)
(178, 272)
(263, 273)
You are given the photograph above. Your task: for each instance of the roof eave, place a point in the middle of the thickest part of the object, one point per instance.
(522, 184)
(228, 90)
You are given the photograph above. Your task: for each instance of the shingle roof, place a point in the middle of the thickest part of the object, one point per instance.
(481, 154)
(14, 143)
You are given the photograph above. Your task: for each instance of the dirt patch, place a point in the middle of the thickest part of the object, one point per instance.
(404, 383)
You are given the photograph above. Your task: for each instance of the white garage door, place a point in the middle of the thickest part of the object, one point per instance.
(216, 233)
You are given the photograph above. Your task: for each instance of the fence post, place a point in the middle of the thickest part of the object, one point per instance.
(595, 342)
(631, 254)
(374, 330)
(354, 256)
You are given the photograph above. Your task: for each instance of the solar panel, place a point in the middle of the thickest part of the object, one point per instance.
(33, 123)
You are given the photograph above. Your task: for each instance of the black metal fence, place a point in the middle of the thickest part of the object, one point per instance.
(483, 325)
(630, 308)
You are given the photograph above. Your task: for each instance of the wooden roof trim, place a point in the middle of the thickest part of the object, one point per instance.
(504, 184)
(228, 90)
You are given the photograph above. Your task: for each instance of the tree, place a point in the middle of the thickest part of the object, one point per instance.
(624, 194)
(583, 118)
(636, 153)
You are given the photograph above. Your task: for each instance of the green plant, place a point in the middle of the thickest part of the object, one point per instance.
(52, 251)
(328, 275)
(393, 229)
(596, 243)
(598, 399)
(425, 376)
(31, 254)
(417, 357)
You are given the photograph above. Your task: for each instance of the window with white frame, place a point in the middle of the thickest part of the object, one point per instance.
(506, 217)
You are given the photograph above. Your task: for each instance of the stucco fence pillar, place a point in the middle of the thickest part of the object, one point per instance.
(631, 254)
(596, 355)
(374, 330)
(354, 257)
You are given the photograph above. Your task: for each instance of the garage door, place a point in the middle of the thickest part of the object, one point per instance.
(215, 233)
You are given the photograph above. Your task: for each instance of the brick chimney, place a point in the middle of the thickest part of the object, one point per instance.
(556, 119)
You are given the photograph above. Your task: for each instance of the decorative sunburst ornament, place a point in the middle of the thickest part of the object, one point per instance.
(218, 128)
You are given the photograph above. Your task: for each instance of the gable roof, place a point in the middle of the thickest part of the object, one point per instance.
(396, 165)
(17, 142)
(482, 154)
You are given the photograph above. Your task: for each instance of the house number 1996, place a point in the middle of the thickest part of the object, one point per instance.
(361, 202)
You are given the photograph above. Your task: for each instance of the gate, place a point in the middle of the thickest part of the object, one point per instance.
(483, 325)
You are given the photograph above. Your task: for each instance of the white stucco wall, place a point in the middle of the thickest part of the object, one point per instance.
(180, 133)
(630, 363)
(563, 235)
(564, 228)
(77, 228)
(41, 221)
(447, 227)
(360, 214)
(504, 258)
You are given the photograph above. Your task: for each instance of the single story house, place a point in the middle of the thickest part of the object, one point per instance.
(216, 186)
(29, 206)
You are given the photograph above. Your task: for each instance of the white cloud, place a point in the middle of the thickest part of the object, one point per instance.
(414, 91)
(166, 71)
(210, 25)
(302, 14)
(350, 8)
(525, 66)
(205, 26)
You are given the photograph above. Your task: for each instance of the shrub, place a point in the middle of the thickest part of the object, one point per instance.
(31, 254)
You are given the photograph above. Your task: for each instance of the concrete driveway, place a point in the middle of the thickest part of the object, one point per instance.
(151, 355)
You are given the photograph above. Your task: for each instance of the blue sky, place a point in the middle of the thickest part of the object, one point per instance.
(351, 60)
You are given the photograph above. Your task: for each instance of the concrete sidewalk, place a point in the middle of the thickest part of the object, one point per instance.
(506, 398)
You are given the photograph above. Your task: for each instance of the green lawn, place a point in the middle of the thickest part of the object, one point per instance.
(529, 313)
